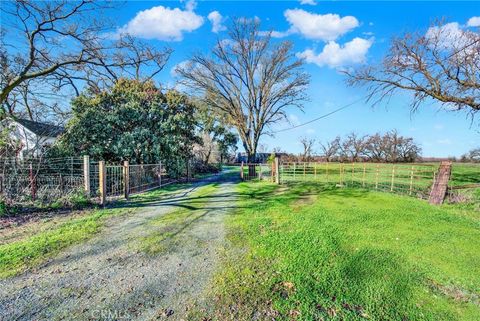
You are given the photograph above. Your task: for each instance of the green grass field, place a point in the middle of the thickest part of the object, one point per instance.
(464, 174)
(410, 179)
(309, 251)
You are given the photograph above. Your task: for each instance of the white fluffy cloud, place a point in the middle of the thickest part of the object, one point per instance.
(310, 2)
(334, 55)
(450, 35)
(163, 23)
(325, 27)
(473, 22)
(190, 5)
(217, 21)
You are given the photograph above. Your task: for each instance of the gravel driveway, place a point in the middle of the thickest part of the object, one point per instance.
(108, 278)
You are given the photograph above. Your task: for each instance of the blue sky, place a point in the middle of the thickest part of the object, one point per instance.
(356, 32)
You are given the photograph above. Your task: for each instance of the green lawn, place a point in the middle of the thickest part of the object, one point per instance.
(464, 174)
(312, 252)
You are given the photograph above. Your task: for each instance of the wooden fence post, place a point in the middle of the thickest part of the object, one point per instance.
(274, 173)
(411, 181)
(315, 170)
(86, 174)
(294, 170)
(260, 172)
(304, 171)
(241, 171)
(126, 179)
(277, 170)
(393, 178)
(376, 176)
(102, 182)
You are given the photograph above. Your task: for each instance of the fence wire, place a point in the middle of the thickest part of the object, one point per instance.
(411, 179)
(252, 171)
(40, 180)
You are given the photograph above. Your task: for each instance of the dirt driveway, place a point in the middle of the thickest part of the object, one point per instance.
(108, 278)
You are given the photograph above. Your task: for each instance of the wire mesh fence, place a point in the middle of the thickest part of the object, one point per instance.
(411, 179)
(44, 181)
(145, 177)
(40, 180)
(114, 181)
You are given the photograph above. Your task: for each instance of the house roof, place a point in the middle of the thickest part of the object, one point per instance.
(40, 129)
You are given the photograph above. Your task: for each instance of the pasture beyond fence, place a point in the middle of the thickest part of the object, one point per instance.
(46, 181)
(415, 179)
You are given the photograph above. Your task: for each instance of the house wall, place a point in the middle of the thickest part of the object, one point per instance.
(30, 142)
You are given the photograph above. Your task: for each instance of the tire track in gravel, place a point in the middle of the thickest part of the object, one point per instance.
(106, 278)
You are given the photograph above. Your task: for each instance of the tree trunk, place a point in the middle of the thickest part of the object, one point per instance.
(252, 172)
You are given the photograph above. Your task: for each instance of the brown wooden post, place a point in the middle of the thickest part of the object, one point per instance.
(86, 174)
(126, 179)
(260, 171)
(393, 178)
(440, 185)
(294, 170)
(304, 171)
(241, 171)
(315, 170)
(273, 171)
(102, 182)
(376, 176)
(411, 181)
(277, 170)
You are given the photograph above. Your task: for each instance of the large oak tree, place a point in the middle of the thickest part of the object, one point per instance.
(249, 78)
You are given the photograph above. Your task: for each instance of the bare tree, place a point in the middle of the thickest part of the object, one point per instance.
(391, 147)
(442, 64)
(53, 49)
(472, 156)
(353, 147)
(376, 147)
(250, 78)
(331, 149)
(307, 145)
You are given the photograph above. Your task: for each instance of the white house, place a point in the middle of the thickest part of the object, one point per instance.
(33, 136)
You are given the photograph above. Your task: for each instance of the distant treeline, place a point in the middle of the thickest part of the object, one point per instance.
(387, 147)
